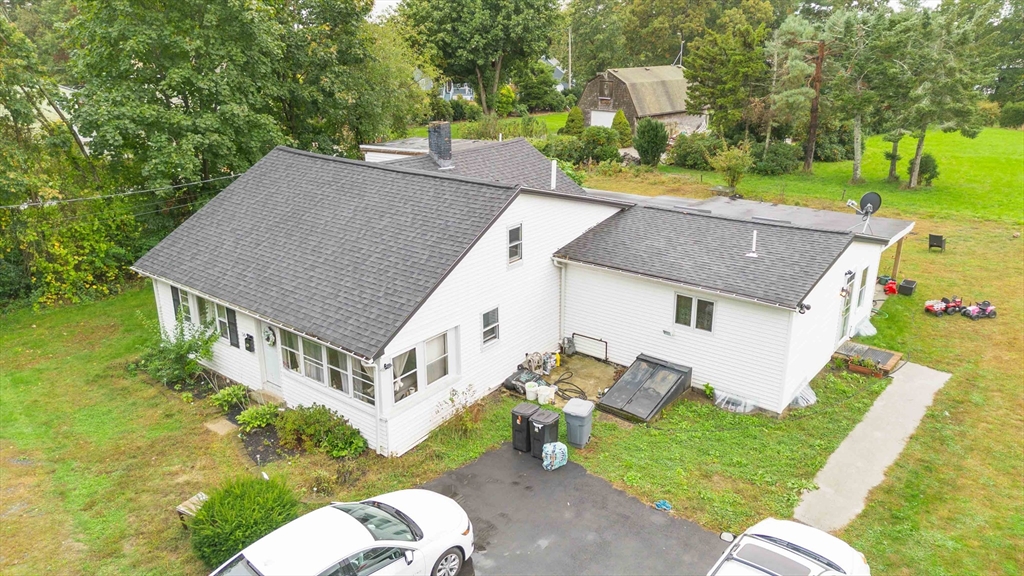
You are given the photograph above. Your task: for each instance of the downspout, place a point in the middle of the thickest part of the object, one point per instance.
(561, 265)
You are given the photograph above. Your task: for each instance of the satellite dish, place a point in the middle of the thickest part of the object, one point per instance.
(870, 203)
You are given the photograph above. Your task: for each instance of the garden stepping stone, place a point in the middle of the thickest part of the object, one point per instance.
(221, 426)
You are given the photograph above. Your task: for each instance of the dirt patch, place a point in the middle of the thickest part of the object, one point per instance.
(263, 445)
(591, 375)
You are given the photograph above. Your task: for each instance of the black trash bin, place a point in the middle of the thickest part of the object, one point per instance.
(521, 425)
(543, 429)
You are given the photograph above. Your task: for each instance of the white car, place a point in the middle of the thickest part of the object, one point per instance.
(402, 533)
(782, 548)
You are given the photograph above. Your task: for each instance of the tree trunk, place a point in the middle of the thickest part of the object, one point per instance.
(812, 126)
(480, 86)
(857, 156)
(917, 162)
(74, 134)
(497, 75)
(893, 176)
(767, 138)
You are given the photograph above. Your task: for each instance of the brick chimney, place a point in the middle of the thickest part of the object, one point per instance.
(439, 138)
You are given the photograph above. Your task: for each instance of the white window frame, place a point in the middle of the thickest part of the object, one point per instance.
(185, 305)
(223, 327)
(354, 372)
(210, 307)
(446, 358)
(496, 326)
(398, 380)
(694, 305)
(863, 287)
(518, 243)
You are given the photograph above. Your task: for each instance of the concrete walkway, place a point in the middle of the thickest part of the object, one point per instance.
(860, 462)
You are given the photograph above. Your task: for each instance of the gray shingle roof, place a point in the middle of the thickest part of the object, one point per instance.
(654, 89)
(709, 252)
(513, 161)
(338, 249)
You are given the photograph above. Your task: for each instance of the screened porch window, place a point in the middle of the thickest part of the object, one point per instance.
(290, 351)
(313, 360)
(406, 381)
(337, 370)
(327, 366)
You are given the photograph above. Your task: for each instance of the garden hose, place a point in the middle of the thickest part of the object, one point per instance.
(566, 390)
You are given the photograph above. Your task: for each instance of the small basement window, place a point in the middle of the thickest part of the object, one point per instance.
(490, 323)
(694, 312)
(515, 243)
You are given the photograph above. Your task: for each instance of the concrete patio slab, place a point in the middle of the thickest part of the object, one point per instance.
(221, 426)
(860, 462)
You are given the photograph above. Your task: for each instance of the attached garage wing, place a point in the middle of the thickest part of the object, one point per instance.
(645, 389)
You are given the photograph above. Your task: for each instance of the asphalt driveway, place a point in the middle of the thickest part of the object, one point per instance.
(568, 522)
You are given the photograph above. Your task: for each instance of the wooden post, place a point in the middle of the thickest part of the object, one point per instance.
(896, 260)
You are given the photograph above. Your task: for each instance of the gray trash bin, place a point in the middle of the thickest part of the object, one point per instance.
(579, 418)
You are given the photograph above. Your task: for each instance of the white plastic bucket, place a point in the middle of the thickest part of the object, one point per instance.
(531, 391)
(545, 394)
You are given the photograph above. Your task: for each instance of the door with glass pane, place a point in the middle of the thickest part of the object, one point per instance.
(844, 313)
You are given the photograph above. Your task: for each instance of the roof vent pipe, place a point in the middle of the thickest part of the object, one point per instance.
(753, 246)
(554, 172)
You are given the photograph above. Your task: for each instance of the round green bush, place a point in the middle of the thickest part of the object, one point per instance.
(239, 513)
(573, 123)
(600, 143)
(695, 150)
(1012, 115)
(473, 111)
(650, 141)
(928, 171)
(566, 148)
(782, 158)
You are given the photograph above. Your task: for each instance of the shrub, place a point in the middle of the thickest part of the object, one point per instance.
(173, 358)
(257, 417)
(504, 101)
(229, 397)
(929, 169)
(318, 428)
(621, 125)
(565, 148)
(1012, 115)
(570, 100)
(239, 513)
(570, 171)
(440, 109)
(695, 150)
(573, 123)
(600, 144)
(650, 141)
(489, 127)
(458, 105)
(732, 162)
(781, 159)
(322, 481)
(473, 111)
(989, 112)
(834, 143)
(532, 127)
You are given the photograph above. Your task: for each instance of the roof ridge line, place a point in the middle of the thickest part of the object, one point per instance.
(384, 166)
(694, 211)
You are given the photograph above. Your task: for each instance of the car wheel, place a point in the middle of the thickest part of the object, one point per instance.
(449, 564)
(992, 314)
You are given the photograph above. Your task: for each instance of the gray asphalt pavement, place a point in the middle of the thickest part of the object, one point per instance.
(568, 522)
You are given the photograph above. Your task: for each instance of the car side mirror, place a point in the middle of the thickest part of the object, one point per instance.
(409, 557)
(727, 536)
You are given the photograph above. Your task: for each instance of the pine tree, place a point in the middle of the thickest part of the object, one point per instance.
(651, 139)
(573, 123)
(621, 125)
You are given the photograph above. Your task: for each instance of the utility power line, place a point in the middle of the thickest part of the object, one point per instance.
(118, 195)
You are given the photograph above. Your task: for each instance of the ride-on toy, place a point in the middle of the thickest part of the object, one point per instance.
(980, 310)
(948, 306)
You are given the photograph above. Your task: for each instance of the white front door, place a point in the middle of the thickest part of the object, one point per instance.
(271, 338)
(601, 118)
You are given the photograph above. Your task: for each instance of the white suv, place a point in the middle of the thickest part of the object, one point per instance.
(410, 532)
(782, 548)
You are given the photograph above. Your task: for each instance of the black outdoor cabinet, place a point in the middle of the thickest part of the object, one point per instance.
(521, 425)
(543, 429)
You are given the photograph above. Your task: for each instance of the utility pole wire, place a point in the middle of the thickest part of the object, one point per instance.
(118, 195)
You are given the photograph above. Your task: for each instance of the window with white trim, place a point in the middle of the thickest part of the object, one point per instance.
(863, 287)
(694, 312)
(204, 310)
(406, 376)
(436, 354)
(515, 243)
(490, 326)
(327, 366)
(222, 322)
(184, 306)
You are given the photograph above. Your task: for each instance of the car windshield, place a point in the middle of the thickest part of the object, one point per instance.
(770, 560)
(383, 522)
(239, 566)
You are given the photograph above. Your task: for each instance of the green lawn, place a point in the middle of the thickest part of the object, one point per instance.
(980, 178)
(554, 121)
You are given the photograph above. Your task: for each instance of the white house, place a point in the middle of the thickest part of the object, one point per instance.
(380, 289)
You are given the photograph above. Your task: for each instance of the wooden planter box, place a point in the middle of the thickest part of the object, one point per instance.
(857, 369)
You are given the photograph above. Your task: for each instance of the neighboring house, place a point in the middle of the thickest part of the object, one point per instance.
(657, 92)
(683, 281)
(448, 91)
(383, 290)
(561, 77)
(376, 290)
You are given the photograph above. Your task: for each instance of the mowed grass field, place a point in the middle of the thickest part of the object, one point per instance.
(954, 501)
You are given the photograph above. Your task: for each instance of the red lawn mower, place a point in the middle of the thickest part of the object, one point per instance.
(946, 306)
(980, 310)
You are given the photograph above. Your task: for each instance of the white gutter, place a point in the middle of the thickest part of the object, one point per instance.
(674, 283)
